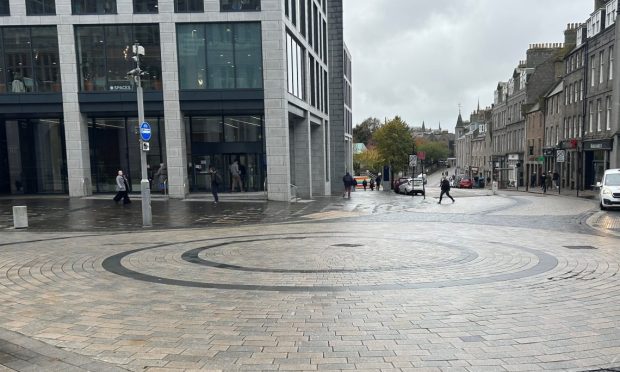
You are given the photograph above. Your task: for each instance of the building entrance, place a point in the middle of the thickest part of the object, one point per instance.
(32, 157)
(250, 166)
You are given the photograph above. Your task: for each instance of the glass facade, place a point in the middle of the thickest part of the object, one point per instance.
(93, 7)
(4, 8)
(105, 56)
(220, 56)
(40, 7)
(296, 67)
(114, 146)
(29, 59)
(186, 6)
(32, 157)
(145, 6)
(219, 141)
(239, 5)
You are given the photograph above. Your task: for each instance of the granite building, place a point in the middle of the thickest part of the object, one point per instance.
(227, 80)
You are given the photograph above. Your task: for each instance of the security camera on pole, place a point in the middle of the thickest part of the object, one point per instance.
(145, 136)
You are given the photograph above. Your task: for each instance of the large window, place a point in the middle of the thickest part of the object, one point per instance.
(40, 7)
(239, 5)
(186, 6)
(145, 6)
(29, 59)
(93, 7)
(105, 57)
(243, 129)
(220, 56)
(296, 67)
(4, 8)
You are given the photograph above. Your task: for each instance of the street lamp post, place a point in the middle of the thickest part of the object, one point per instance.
(145, 134)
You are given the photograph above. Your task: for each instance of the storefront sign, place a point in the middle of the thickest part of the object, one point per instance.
(513, 157)
(548, 152)
(605, 144)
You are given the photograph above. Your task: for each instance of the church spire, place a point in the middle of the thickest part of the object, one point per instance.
(440, 125)
(423, 126)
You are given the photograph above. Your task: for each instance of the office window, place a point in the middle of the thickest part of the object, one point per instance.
(302, 17)
(599, 111)
(105, 57)
(187, 6)
(243, 129)
(4, 8)
(145, 6)
(593, 72)
(296, 64)
(601, 68)
(93, 7)
(220, 55)
(608, 116)
(240, 5)
(40, 7)
(30, 57)
(611, 63)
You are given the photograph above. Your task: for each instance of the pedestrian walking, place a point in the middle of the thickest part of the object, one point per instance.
(543, 182)
(556, 180)
(235, 172)
(215, 183)
(549, 181)
(162, 176)
(364, 184)
(347, 180)
(445, 189)
(372, 184)
(122, 188)
(378, 182)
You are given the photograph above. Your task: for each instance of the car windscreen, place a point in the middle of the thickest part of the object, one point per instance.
(612, 179)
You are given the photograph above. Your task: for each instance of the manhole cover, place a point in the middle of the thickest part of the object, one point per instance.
(347, 245)
(579, 247)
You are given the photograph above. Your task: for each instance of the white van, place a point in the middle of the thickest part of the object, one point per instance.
(610, 189)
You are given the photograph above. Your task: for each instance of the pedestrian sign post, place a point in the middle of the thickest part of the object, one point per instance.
(145, 131)
(560, 156)
(413, 161)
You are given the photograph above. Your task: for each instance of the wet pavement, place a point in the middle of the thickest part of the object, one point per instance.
(509, 282)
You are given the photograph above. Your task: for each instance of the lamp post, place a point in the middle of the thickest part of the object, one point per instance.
(145, 135)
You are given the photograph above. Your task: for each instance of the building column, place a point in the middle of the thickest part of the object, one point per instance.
(176, 149)
(318, 153)
(303, 158)
(75, 123)
(277, 143)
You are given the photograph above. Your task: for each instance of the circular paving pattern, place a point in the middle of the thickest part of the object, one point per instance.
(328, 262)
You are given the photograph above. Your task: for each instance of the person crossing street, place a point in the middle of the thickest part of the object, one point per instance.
(445, 189)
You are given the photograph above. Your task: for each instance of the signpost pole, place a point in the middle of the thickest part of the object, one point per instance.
(147, 217)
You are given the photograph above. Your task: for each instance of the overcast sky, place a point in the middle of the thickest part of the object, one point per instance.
(420, 58)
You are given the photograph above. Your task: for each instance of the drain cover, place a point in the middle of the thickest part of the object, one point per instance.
(579, 247)
(347, 245)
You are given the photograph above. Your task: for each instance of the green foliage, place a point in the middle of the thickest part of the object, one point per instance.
(434, 150)
(368, 160)
(394, 143)
(363, 132)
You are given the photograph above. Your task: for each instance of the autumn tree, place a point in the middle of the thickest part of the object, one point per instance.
(363, 132)
(394, 143)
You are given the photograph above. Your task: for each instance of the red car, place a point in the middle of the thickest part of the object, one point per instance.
(465, 183)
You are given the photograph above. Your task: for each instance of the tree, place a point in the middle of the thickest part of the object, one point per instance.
(434, 150)
(394, 143)
(368, 160)
(363, 132)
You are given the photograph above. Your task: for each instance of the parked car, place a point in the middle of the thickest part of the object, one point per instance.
(465, 183)
(610, 189)
(399, 181)
(413, 186)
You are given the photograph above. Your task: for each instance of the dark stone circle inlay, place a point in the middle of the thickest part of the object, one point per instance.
(114, 265)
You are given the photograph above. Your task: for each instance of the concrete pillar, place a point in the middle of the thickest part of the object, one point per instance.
(277, 144)
(14, 156)
(20, 217)
(303, 159)
(176, 149)
(317, 139)
(76, 124)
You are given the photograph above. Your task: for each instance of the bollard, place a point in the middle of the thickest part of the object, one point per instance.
(494, 187)
(20, 217)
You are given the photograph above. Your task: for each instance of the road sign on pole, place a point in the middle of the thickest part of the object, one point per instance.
(413, 160)
(421, 155)
(145, 131)
(560, 156)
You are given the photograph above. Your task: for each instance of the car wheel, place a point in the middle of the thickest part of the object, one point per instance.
(602, 206)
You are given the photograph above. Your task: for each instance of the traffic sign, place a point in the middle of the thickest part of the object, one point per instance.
(421, 155)
(413, 160)
(145, 131)
(560, 156)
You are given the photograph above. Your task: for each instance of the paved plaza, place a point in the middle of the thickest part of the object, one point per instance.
(381, 282)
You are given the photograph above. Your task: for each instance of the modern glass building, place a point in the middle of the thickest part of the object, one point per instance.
(227, 80)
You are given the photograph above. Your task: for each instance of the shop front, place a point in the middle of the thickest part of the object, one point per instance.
(596, 160)
(32, 156)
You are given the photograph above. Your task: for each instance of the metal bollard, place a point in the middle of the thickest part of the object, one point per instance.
(20, 217)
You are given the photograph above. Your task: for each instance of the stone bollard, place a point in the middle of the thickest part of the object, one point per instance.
(494, 187)
(20, 217)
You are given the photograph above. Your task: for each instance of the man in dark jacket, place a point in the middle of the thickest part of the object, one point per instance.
(445, 189)
(348, 182)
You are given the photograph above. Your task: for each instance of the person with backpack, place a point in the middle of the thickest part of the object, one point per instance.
(347, 180)
(445, 189)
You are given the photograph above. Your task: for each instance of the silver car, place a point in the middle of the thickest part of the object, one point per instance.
(413, 186)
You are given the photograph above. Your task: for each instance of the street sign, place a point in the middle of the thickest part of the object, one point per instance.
(413, 160)
(421, 155)
(560, 156)
(145, 131)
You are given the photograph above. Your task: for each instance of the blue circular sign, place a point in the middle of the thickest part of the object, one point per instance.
(145, 131)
